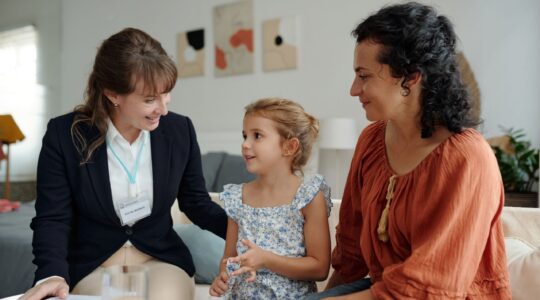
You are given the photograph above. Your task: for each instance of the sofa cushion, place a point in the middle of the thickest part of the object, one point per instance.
(523, 266)
(206, 250)
(211, 163)
(522, 222)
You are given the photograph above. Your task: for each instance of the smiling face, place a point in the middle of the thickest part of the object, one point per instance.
(139, 110)
(377, 90)
(262, 148)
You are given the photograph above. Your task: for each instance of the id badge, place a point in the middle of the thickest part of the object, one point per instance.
(133, 211)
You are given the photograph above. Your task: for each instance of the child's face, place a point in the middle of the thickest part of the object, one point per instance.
(262, 147)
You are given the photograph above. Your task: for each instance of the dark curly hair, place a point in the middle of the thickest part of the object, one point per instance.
(415, 38)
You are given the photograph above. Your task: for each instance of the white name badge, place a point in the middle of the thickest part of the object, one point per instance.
(134, 211)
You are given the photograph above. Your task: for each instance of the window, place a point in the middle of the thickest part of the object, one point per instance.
(22, 97)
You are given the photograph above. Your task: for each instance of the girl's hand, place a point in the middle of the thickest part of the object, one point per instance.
(252, 260)
(219, 285)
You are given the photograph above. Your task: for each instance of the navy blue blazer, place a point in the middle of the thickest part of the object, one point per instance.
(76, 228)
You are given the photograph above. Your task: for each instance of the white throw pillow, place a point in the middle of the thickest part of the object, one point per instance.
(523, 268)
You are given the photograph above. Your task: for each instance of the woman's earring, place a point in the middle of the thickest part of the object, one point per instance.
(405, 92)
(115, 104)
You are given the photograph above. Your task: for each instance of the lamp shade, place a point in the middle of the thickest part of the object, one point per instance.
(9, 131)
(338, 133)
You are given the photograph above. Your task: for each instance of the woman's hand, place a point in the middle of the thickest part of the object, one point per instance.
(219, 285)
(250, 261)
(52, 287)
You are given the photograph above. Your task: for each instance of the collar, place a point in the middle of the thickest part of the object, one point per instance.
(114, 135)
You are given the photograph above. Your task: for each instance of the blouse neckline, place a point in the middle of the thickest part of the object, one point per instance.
(424, 161)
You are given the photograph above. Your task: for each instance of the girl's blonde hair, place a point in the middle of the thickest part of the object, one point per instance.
(292, 121)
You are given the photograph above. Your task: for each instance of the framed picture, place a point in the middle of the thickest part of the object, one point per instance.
(280, 44)
(190, 47)
(233, 37)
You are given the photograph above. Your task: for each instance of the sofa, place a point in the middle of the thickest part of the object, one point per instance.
(220, 168)
(522, 237)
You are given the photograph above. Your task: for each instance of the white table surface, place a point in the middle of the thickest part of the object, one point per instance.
(70, 297)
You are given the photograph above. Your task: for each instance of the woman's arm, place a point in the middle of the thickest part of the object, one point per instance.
(347, 260)
(193, 198)
(314, 266)
(220, 286)
(335, 280)
(52, 223)
(230, 243)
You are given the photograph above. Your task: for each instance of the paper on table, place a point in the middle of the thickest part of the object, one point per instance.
(70, 297)
(77, 297)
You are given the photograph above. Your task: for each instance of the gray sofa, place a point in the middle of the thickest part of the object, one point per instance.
(220, 168)
(17, 270)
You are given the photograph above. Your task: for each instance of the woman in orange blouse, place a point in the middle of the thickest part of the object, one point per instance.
(422, 203)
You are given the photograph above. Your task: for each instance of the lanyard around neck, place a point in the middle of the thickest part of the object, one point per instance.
(132, 176)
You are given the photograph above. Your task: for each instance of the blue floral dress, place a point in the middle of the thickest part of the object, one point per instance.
(278, 229)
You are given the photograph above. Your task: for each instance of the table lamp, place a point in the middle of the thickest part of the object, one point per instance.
(337, 134)
(9, 134)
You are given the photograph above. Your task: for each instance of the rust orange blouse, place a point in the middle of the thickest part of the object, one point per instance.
(445, 233)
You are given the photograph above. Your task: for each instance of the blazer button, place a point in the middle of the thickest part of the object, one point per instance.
(129, 231)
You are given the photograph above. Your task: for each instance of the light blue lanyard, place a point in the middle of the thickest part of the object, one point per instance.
(132, 176)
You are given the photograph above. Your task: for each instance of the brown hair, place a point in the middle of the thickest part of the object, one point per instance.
(124, 59)
(292, 122)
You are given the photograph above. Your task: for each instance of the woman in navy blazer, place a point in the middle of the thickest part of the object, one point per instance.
(76, 228)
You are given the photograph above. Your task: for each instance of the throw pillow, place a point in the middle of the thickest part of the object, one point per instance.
(523, 266)
(206, 250)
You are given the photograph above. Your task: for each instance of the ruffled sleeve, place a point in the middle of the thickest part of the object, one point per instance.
(232, 200)
(310, 189)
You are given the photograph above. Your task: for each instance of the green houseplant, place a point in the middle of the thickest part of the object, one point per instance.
(518, 163)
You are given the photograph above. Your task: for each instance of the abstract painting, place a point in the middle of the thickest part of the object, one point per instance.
(190, 47)
(233, 37)
(280, 45)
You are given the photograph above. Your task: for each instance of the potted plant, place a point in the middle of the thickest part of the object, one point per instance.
(518, 163)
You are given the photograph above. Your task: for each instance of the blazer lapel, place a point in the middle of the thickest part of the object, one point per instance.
(98, 172)
(161, 158)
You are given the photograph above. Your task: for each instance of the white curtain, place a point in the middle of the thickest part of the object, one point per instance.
(23, 98)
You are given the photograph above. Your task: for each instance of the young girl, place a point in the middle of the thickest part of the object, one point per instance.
(278, 241)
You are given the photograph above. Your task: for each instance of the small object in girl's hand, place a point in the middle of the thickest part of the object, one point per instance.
(231, 266)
